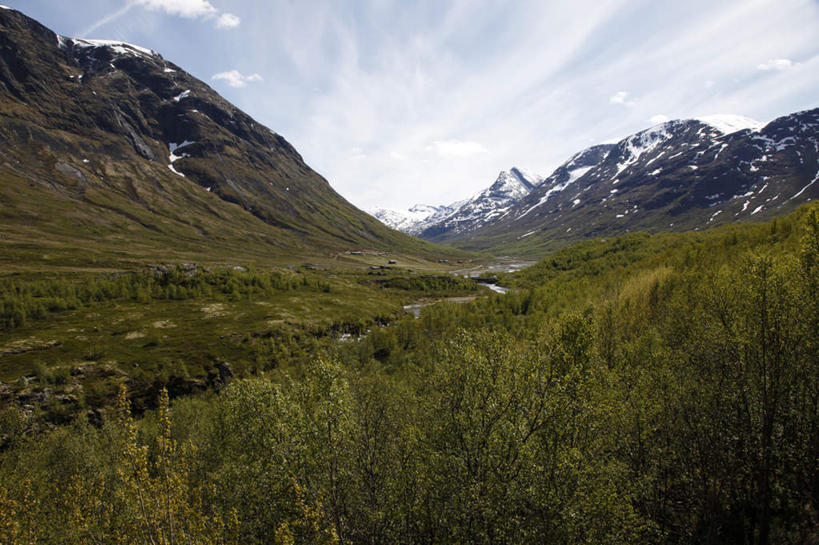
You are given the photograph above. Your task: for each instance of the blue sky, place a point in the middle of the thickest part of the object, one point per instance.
(401, 102)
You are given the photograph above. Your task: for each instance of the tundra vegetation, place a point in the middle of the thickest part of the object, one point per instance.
(639, 389)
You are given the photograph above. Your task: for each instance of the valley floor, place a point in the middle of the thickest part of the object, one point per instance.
(636, 389)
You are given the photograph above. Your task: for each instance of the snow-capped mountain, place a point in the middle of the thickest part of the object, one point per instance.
(509, 187)
(679, 175)
(434, 222)
(416, 219)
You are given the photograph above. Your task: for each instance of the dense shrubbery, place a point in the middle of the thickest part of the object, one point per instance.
(22, 301)
(442, 285)
(667, 397)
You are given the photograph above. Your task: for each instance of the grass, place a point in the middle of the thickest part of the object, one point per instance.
(87, 351)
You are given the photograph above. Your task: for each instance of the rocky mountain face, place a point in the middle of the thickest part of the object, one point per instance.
(417, 218)
(680, 175)
(107, 142)
(439, 223)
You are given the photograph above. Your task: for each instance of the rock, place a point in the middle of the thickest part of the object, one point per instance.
(95, 418)
(225, 373)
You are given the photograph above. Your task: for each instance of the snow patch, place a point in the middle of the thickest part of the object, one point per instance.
(728, 124)
(120, 48)
(815, 178)
(183, 94)
(642, 142)
(574, 175)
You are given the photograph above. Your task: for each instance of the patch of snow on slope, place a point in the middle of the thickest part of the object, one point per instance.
(172, 147)
(641, 143)
(815, 178)
(574, 175)
(121, 48)
(727, 123)
(183, 94)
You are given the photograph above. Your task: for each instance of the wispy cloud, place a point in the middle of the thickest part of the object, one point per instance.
(620, 98)
(234, 78)
(775, 64)
(457, 148)
(189, 9)
(86, 32)
(227, 20)
(658, 118)
(465, 89)
(183, 8)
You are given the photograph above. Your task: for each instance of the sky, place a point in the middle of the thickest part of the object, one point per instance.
(400, 102)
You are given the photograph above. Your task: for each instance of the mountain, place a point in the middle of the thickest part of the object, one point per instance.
(417, 218)
(508, 188)
(680, 175)
(109, 151)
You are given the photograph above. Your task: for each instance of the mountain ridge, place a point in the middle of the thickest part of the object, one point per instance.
(118, 144)
(676, 175)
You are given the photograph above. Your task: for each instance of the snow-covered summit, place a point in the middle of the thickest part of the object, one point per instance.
(415, 219)
(120, 48)
(729, 123)
(510, 184)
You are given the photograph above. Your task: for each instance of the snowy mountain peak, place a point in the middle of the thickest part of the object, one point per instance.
(729, 123)
(510, 184)
(119, 48)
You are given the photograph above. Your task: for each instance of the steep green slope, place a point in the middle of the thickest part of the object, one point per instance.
(110, 152)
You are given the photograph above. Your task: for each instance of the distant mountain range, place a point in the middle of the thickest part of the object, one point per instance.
(679, 175)
(438, 222)
(108, 148)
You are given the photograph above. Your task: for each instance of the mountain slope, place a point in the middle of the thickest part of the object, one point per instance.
(107, 147)
(508, 188)
(417, 218)
(680, 175)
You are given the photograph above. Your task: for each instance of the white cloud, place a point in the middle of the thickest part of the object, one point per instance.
(659, 118)
(549, 79)
(184, 8)
(191, 9)
(234, 78)
(457, 148)
(620, 98)
(776, 64)
(227, 20)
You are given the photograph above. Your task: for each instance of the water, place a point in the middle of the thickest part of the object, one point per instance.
(496, 288)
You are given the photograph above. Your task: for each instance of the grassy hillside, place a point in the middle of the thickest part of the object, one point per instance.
(112, 157)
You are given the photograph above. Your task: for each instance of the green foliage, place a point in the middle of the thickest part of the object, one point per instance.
(648, 389)
(23, 301)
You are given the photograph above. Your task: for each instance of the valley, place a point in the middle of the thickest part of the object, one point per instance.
(202, 341)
